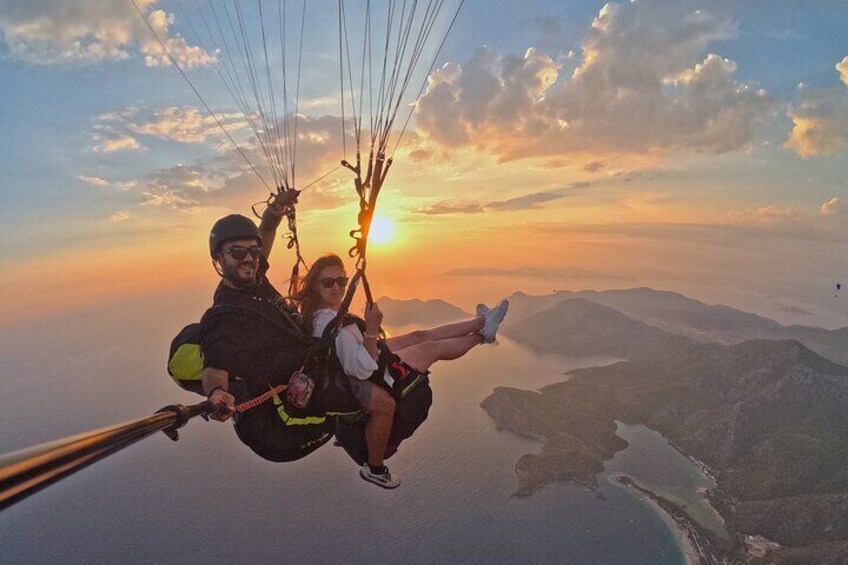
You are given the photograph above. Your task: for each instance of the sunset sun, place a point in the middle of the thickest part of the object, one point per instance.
(382, 231)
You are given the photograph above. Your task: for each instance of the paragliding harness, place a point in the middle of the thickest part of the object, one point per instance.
(392, 374)
(314, 394)
(318, 399)
(410, 389)
(185, 362)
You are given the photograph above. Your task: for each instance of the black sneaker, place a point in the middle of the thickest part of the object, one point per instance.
(383, 479)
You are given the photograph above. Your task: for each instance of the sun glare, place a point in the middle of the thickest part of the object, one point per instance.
(382, 230)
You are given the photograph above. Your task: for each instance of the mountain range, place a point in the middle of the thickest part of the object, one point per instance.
(685, 317)
(762, 405)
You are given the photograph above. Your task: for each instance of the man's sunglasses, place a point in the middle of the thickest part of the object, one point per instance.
(238, 252)
(329, 282)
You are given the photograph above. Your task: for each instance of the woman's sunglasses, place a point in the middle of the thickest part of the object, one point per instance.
(238, 252)
(329, 282)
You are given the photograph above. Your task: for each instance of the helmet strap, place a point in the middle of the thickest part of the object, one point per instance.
(218, 268)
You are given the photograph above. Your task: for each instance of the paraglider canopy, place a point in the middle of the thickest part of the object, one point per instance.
(385, 50)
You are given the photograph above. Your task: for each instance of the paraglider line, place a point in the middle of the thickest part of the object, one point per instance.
(208, 108)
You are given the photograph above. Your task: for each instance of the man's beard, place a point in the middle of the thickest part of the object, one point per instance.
(232, 274)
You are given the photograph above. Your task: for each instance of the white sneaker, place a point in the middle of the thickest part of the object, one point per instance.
(384, 479)
(481, 310)
(493, 319)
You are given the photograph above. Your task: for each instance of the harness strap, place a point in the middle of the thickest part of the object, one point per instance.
(254, 402)
(292, 329)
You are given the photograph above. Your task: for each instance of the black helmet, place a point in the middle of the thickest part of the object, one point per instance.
(234, 226)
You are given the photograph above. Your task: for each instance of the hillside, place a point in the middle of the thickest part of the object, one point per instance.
(770, 418)
(580, 327)
(419, 312)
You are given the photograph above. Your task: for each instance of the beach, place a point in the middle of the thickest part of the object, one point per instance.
(693, 545)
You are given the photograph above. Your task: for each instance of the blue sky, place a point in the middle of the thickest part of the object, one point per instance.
(540, 114)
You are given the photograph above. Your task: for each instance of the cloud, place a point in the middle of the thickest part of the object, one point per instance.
(94, 181)
(833, 206)
(792, 309)
(487, 96)
(725, 236)
(111, 142)
(226, 180)
(421, 155)
(526, 202)
(320, 102)
(91, 31)
(443, 208)
(534, 272)
(593, 166)
(187, 56)
(645, 83)
(820, 119)
(319, 144)
(176, 187)
(842, 68)
(186, 125)
(182, 124)
(318, 148)
(532, 201)
(771, 213)
(103, 183)
(118, 217)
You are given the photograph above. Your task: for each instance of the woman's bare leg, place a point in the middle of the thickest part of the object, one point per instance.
(436, 334)
(381, 411)
(422, 355)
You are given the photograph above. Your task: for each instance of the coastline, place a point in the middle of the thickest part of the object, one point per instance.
(681, 535)
(705, 469)
(693, 546)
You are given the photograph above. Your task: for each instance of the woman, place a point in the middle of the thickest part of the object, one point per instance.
(405, 356)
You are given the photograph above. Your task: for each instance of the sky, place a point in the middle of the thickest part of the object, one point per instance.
(698, 147)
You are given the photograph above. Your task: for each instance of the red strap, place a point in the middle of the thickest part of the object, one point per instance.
(400, 369)
(254, 402)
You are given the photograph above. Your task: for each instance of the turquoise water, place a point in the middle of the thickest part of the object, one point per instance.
(666, 472)
(209, 499)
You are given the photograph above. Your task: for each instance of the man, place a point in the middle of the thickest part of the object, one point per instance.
(251, 341)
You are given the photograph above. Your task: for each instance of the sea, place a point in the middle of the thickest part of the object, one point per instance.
(208, 499)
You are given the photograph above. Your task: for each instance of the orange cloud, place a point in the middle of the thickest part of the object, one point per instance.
(820, 120)
(111, 143)
(644, 84)
(771, 213)
(91, 31)
(833, 206)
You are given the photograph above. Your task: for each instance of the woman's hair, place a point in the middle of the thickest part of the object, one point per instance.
(308, 297)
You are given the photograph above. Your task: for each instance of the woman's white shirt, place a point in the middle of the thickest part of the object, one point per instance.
(350, 348)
